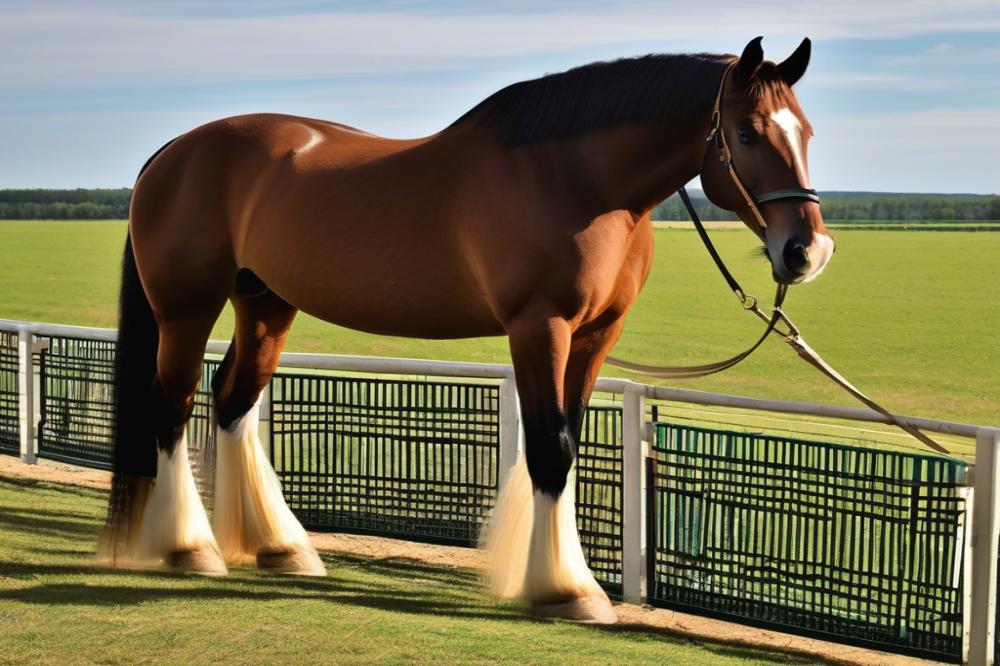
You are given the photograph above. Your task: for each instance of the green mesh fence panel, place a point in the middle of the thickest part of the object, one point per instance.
(847, 542)
(10, 403)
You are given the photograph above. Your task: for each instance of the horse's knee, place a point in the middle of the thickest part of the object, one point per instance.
(549, 452)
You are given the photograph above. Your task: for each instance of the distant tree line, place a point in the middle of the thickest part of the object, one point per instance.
(78, 204)
(847, 206)
(106, 204)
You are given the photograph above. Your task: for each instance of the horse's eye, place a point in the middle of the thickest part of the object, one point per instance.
(748, 135)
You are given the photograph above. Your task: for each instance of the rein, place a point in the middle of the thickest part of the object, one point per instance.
(790, 333)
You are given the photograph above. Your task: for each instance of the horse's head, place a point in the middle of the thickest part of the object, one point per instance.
(765, 134)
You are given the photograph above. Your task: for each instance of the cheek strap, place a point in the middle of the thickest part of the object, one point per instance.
(717, 132)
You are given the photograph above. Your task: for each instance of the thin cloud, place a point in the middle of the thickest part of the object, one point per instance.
(875, 81)
(79, 43)
(92, 88)
(930, 150)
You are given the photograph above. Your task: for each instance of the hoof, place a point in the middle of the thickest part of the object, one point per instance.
(299, 561)
(205, 561)
(593, 609)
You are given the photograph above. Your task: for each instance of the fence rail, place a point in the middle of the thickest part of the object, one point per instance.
(884, 548)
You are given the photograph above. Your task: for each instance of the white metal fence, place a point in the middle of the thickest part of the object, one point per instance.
(976, 562)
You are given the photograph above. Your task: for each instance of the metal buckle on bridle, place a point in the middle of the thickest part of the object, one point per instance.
(791, 336)
(713, 128)
(746, 300)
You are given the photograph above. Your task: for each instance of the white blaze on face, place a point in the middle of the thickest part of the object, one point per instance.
(791, 128)
(821, 248)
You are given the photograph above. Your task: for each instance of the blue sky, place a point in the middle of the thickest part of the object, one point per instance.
(904, 96)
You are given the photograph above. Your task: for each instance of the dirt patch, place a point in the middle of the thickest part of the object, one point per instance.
(383, 548)
(56, 472)
(641, 618)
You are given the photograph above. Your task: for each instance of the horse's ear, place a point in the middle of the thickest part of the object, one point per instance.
(794, 66)
(750, 60)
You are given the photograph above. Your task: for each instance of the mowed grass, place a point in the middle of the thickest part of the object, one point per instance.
(57, 607)
(911, 317)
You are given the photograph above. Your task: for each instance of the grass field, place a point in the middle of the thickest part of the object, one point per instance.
(911, 317)
(57, 608)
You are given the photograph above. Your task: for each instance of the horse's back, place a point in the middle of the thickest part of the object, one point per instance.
(447, 236)
(329, 217)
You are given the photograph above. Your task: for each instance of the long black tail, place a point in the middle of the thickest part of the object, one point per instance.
(134, 461)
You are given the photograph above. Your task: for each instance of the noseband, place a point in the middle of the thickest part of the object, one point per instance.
(718, 133)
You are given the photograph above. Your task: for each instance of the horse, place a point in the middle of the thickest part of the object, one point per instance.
(529, 217)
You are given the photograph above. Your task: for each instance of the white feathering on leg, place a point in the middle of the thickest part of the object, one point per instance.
(557, 569)
(250, 514)
(507, 534)
(174, 518)
(533, 548)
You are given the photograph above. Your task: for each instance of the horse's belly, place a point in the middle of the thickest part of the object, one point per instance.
(365, 293)
(434, 320)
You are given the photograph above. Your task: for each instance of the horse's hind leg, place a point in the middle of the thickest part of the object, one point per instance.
(174, 528)
(532, 538)
(251, 519)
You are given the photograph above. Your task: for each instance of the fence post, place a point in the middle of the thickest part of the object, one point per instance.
(985, 532)
(510, 428)
(26, 389)
(634, 494)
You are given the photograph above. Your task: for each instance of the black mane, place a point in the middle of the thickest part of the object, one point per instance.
(603, 94)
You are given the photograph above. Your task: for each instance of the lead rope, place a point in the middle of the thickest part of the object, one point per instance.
(749, 303)
(791, 336)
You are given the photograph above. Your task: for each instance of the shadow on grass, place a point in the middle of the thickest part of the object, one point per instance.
(447, 596)
(401, 585)
(457, 601)
(48, 523)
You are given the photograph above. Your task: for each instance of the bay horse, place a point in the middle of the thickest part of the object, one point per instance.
(528, 217)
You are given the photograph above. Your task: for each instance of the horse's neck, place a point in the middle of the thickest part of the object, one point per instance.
(637, 166)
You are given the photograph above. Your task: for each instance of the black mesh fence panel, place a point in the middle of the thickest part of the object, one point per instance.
(75, 396)
(599, 494)
(408, 457)
(77, 404)
(10, 403)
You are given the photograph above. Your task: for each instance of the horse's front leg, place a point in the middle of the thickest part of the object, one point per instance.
(532, 537)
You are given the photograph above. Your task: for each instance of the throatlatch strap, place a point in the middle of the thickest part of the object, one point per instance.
(730, 280)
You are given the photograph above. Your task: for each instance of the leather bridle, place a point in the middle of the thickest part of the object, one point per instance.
(777, 321)
(717, 136)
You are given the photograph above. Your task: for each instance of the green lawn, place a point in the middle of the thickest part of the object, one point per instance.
(56, 607)
(911, 317)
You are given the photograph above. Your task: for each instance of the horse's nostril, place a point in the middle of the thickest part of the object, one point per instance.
(795, 255)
